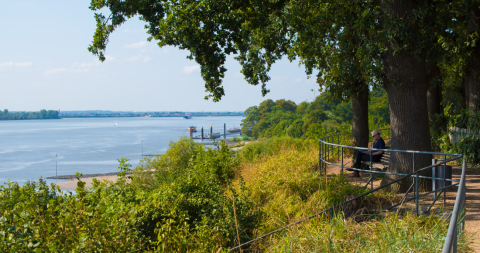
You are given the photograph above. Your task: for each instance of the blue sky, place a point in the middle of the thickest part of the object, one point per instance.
(45, 64)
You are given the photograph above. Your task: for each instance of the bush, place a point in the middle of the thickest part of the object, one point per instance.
(470, 148)
(195, 210)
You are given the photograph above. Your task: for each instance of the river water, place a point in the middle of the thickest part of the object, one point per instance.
(30, 149)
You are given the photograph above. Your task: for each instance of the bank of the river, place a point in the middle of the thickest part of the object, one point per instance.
(71, 182)
(44, 148)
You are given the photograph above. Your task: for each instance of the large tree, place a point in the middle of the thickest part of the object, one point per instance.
(352, 44)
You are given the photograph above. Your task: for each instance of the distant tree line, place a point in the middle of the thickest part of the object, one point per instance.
(90, 114)
(43, 114)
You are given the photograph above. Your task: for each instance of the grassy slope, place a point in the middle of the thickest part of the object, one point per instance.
(284, 185)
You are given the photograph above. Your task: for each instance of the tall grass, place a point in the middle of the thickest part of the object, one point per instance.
(393, 233)
(285, 185)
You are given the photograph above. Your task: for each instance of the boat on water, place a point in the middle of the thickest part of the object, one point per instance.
(115, 123)
(208, 136)
(234, 130)
(192, 129)
(214, 135)
(187, 116)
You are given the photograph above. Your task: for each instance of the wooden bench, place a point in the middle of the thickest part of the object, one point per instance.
(383, 164)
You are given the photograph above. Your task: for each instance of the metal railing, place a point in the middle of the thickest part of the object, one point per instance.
(327, 150)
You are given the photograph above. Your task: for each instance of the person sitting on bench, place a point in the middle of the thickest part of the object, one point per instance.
(364, 155)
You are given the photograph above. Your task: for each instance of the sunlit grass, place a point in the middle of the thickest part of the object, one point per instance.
(392, 233)
(286, 186)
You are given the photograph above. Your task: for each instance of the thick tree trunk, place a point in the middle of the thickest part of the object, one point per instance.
(406, 85)
(360, 131)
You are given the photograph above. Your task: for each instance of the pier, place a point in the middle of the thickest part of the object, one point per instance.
(217, 135)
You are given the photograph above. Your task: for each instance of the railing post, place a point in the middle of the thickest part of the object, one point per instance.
(324, 154)
(454, 246)
(342, 159)
(416, 193)
(464, 200)
(416, 184)
(338, 142)
(444, 172)
(371, 166)
(319, 157)
(328, 152)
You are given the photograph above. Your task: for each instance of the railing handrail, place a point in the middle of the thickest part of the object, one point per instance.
(451, 237)
(459, 207)
(386, 150)
(452, 231)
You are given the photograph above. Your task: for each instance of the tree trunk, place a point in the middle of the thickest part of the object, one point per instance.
(360, 131)
(406, 85)
(472, 77)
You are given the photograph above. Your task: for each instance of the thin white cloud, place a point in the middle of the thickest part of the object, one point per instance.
(190, 69)
(136, 45)
(11, 64)
(56, 71)
(134, 58)
(139, 58)
(77, 67)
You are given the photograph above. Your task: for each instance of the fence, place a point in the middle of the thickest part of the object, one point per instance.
(327, 151)
(457, 133)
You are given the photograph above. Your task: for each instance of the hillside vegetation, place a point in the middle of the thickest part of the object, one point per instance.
(196, 199)
(310, 119)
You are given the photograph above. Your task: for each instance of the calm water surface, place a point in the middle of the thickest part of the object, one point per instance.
(28, 148)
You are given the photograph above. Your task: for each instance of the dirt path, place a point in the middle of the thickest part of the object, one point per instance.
(472, 224)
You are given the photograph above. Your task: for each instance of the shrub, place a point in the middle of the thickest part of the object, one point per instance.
(470, 148)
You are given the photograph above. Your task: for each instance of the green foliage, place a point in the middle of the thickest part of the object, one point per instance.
(470, 148)
(43, 114)
(394, 233)
(324, 114)
(314, 117)
(378, 111)
(39, 218)
(194, 211)
(295, 129)
(201, 206)
(272, 147)
(469, 145)
(285, 185)
(286, 105)
(190, 205)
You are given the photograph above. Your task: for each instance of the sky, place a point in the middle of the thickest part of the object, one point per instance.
(45, 64)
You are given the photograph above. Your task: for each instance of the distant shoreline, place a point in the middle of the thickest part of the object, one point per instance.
(84, 175)
(51, 114)
(140, 116)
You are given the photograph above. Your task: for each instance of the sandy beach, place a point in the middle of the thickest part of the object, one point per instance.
(70, 185)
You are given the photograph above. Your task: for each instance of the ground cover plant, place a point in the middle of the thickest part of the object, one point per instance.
(391, 233)
(197, 199)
